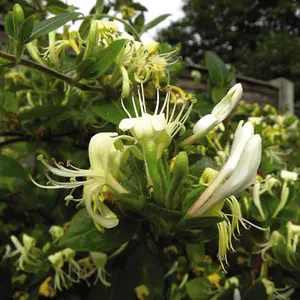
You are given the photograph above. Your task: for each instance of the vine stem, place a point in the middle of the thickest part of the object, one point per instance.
(31, 64)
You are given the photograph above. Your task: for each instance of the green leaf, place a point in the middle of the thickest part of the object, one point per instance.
(143, 268)
(9, 25)
(154, 22)
(84, 28)
(218, 93)
(11, 168)
(198, 222)
(110, 112)
(216, 68)
(26, 29)
(99, 6)
(8, 102)
(82, 234)
(256, 291)
(199, 289)
(106, 57)
(42, 112)
(51, 24)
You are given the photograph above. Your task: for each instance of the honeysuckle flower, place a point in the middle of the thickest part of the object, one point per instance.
(277, 293)
(64, 279)
(107, 32)
(228, 228)
(220, 112)
(272, 241)
(100, 259)
(236, 294)
(289, 176)
(161, 126)
(74, 41)
(243, 135)
(268, 184)
(293, 234)
(256, 199)
(106, 152)
(255, 120)
(241, 178)
(25, 250)
(56, 232)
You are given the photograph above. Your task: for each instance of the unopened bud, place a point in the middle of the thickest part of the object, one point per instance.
(18, 14)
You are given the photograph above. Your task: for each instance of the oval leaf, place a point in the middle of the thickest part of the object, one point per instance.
(216, 68)
(154, 22)
(82, 234)
(51, 24)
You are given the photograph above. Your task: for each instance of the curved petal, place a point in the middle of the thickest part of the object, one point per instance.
(127, 124)
(159, 122)
(108, 221)
(226, 105)
(205, 124)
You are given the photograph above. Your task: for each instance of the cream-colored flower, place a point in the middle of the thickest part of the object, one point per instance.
(106, 152)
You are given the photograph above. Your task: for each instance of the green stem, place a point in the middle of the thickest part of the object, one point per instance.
(98, 16)
(51, 72)
(150, 154)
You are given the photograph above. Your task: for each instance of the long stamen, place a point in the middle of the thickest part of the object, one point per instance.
(167, 98)
(140, 102)
(127, 112)
(134, 106)
(143, 97)
(157, 101)
(172, 114)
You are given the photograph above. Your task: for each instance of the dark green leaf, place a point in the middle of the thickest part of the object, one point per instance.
(82, 234)
(110, 112)
(216, 67)
(218, 93)
(11, 168)
(143, 268)
(199, 289)
(198, 222)
(51, 24)
(106, 57)
(154, 22)
(256, 291)
(26, 29)
(42, 112)
(9, 25)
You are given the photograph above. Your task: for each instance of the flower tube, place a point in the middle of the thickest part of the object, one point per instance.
(242, 177)
(242, 135)
(220, 112)
(105, 160)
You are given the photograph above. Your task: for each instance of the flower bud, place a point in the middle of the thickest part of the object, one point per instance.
(18, 14)
(220, 111)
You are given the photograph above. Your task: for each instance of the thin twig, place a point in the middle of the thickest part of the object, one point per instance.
(46, 70)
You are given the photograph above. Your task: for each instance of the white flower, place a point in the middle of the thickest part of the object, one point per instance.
(100, 259)
(105, 160)
(219, 113)
(56, 232)
(25, 251)
(242, 135)
(161, 126)
(241, 178)
(277, 293)
(289, 176)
